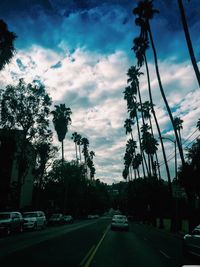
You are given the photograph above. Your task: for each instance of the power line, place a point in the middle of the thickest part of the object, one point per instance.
(184, 148)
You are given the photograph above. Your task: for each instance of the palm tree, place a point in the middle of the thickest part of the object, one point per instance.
(74, 138)
(7, 49)
(61, 121)
(85, 143)
(149, 145)
(147, 109)
(188, 40)
(78, 141)
(198, 124)
(140, 47)
(90, 164)
(178, 122)
(144, 12)
(130, 94)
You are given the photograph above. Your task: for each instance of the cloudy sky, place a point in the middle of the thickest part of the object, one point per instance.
(81, 51)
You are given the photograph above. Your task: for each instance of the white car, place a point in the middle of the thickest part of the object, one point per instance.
(34, 220)
(120, 222)
(191, 243)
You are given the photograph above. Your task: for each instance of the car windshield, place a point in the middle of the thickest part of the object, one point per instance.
(30, 214)
(4, 216)
(55, 216)
(119, 217)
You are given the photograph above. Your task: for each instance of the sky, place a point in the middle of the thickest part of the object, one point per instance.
(81, 51)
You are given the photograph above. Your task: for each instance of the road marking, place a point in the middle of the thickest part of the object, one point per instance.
(163, 253)
(90, 258)
(87, 256)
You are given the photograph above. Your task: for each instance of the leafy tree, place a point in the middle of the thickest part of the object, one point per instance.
(26, 107)
(188, 40)
(61, 121)
(45, 153)
(7, 49)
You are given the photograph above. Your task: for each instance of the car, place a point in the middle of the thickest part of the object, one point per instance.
(11, 222)
(67, 219)
(34, 220)
(56, 218)
(120, 222)
(93, 216)
(191, 243)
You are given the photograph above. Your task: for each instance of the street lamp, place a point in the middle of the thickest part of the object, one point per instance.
(175, 164)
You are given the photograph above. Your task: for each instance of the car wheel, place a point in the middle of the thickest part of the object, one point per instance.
(21, 229)
(35, 227)
(8, 231)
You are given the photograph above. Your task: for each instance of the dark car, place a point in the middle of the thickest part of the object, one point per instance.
(191, 243)
(11, 222)
(68, 219)
(56, 218)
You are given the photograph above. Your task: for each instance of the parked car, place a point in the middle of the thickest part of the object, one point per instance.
(10, 222)
(93, 216)
(191, 243)
(120, 222)
(56, 218)
(34, 220)
(68, 219)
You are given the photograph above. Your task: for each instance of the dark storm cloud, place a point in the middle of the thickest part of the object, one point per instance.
(102, 26)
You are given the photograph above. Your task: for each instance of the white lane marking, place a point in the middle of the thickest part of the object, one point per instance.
(164, 254)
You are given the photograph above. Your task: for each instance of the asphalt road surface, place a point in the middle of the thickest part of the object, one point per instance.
(92, 243)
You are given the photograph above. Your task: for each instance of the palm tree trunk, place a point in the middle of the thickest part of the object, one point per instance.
(158, 128)
(156, 155)
(141, 151)
(188, 40)
(76, 152)
(62, 152)
(149, 161)
(80, 152)
(163, 95)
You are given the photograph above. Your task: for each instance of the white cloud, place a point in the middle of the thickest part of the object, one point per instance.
(91, 84)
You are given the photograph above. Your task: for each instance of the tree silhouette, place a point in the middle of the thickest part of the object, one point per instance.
(7, 49)
(74, 138)
(61, 121)
(144, 13)
(188, 40)
(140, 47)
(26, 107)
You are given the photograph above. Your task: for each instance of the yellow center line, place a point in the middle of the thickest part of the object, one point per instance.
(88, 262)
(87, 255)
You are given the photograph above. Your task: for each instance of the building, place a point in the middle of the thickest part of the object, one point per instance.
(11, 147)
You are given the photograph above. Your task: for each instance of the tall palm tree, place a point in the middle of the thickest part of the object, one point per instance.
(74, 138)
(85, 144)
(188, 40)
(7, 49)
(61, 121)
(90, 164)
(130, 95)
(179, 125)
(198, 124)
(78, 138)
(144, 12)
(149, 145)
(140, 47)
(147, 109)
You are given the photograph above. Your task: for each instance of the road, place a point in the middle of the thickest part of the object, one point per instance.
(92, 243)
